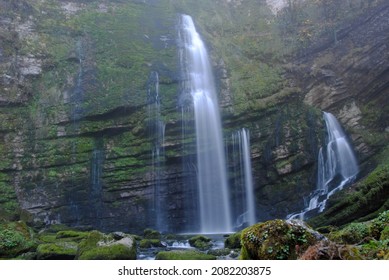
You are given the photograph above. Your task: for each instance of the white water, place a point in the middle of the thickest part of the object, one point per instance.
(156, 128)
(241, 158)
(215, 216)
(248, 177)
(337, 166)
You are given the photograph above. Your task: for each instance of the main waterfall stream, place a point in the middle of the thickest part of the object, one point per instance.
(214, 204)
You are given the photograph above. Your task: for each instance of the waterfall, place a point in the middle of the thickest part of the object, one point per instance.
(96, 185)
(337, 167)
(213, 193)
(243, 197)
(156, 128)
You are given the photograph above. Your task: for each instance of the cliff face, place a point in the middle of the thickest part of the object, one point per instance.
(90, 101)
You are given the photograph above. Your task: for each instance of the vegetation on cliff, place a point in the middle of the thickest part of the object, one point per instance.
(75, 86)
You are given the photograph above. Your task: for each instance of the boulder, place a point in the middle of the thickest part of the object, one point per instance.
(277, 240)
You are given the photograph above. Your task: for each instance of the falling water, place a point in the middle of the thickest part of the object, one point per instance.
(156, 127)
(96, 185)
(243, 198)
(337, 166)
(214, 202)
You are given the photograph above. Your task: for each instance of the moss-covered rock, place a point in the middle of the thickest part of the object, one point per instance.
(61, 250)
(72, 235)
(99, 246)
(233, 241)
(200, 242)
(151, 234)
(15, 238)
(110, 252)
(149, 243)
(276, 239)
(184, 255)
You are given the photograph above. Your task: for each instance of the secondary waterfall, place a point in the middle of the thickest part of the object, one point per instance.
(243, 191)
(214, 204)
(337, 166)
(156, 131)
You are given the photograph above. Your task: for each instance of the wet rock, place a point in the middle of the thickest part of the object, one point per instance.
(98, 246)
(276, 239)
(184, 255)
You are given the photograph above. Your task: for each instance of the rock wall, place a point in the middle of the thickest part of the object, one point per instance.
(77, 100)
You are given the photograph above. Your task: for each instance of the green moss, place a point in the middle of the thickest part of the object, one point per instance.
(275, 239)
(15, 238)
(151, 234)
(376, 249)
(385, 233)
(90, 242)
(368, 199)
(184, 255)
(47, 237)
(200, 242)
(72, 235)
(113, 252)
(57, 251)
(379, 224)
(98, 246)
(351, 234)
(233, 241)
(149, 243)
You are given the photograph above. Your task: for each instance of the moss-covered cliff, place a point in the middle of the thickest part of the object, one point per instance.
(80, 99)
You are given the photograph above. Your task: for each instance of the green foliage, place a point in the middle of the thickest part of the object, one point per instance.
(275, 239)
(370, 196)
(380, 224)
(371, 238)
(184, 255)
(376, 249)
(352, 234)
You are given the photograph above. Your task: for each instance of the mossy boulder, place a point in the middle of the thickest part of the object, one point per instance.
(99, 246)
(233, 241)
(184, 255)
(200, 242)
(61, 250)
(111, 252)
(149, 243)
(151, 234)
(276, 239)
(72, 235)
(15, 238)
